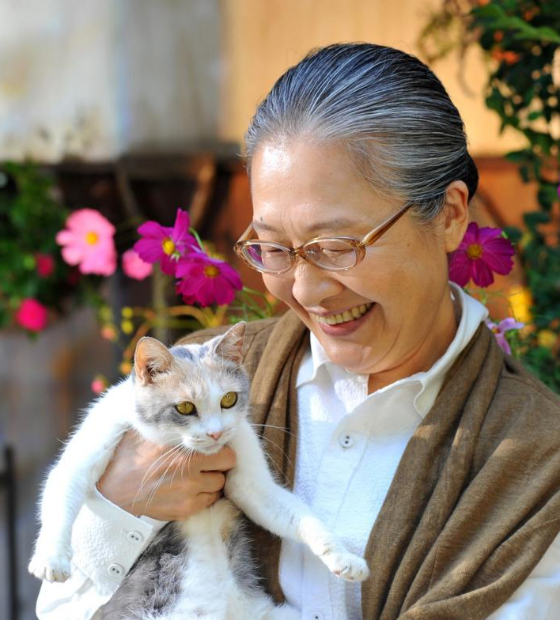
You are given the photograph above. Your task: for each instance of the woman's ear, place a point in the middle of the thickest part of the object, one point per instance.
(455, 215)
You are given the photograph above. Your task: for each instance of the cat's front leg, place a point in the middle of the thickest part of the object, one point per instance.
(251, 486)
(80, 466)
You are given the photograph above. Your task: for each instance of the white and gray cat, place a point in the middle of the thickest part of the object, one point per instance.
(194, 398)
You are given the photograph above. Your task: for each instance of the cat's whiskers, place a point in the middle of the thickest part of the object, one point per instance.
(182, 457)
(163, 458)
(175, 453)
(280, 428)
(275, 464)
(188, 456)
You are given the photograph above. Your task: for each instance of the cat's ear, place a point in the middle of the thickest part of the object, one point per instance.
(151, 358)
(230, 345)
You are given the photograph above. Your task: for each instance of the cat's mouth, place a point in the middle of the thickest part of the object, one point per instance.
(207, 445)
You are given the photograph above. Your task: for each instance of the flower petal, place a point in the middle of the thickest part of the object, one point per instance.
(510, 323)
(481, 273)
(460, 268)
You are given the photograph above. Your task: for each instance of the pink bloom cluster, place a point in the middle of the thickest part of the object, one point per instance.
(481, 253)
(201, 279)
(87, 241)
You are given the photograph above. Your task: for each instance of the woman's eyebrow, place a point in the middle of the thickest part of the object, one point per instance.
(333, 224)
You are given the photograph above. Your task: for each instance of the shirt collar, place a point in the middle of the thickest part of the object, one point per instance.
(472, 313)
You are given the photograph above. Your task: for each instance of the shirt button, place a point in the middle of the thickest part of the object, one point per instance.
(317, 616)
(115, 570)
(346, 440)
(135, 536)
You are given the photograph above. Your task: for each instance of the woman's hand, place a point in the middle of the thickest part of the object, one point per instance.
(142, 481)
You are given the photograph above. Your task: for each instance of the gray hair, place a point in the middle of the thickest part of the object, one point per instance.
(386, 106)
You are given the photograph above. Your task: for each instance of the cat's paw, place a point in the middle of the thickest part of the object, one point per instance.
(347, 566)
(51, 568)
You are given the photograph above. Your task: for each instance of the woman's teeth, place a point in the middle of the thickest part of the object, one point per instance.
(344, 317)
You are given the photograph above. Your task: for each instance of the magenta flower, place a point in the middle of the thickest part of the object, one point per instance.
(32, 315)
(45, 265)
(206, 280)
(164, 244)
(500, 330)
(87, 241)
(134, 267)
(481, 252)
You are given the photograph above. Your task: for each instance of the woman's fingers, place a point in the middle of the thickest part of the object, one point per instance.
(162, 482)
(221, 461)
(212, 481)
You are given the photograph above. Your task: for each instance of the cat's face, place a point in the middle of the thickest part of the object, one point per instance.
(192, 395)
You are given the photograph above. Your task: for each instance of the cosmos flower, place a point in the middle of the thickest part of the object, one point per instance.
(481, 252)
(32, 315)
(500, 330)
(206, 280)
(87, 241)
(134, 267)
(165, 244)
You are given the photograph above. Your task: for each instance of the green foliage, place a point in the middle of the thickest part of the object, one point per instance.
(30, 217)
(522, 41)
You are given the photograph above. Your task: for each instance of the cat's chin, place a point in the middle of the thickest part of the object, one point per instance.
(207, 448)
(211, 449)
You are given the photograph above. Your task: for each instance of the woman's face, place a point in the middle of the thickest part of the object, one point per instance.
(301, 191)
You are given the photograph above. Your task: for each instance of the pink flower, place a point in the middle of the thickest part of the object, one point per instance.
(500, 330)
(134, 267)
(45, 265)
(32, 315)
(99, 384)
(88, 242)
(164, 244)
(206, 281)
(481, 252)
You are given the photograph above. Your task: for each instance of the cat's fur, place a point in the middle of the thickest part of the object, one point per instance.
(199, 567)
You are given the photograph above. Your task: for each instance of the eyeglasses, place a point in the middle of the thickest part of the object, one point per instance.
(330, 253)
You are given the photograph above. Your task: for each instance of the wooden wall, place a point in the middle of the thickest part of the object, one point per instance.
(262, 39)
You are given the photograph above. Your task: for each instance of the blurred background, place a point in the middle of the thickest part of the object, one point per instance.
(136, 108)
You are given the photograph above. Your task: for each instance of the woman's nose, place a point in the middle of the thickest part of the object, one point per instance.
(312, 285)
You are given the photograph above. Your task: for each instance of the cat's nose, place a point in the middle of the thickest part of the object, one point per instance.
(215, 435)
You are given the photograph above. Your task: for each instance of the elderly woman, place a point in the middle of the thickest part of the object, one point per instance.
(408, 430)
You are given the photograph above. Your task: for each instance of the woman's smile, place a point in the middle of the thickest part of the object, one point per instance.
(343, 322)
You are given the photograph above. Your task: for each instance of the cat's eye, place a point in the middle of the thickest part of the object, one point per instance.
(228, 400)
(186, 408)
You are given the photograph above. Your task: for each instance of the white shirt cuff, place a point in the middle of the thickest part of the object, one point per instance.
(107, 540)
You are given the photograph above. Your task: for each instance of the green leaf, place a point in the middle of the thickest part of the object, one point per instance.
(536, 217)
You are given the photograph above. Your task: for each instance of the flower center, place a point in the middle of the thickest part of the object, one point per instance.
(474, 251)
(168, 246)
(92, 238)
(211, 272)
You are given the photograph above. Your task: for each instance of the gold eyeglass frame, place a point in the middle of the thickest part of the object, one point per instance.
(359, 245)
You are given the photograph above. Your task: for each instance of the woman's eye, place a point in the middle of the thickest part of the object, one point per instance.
(228, 400)
(186, 408)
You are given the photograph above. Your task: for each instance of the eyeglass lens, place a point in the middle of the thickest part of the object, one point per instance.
(327, 253)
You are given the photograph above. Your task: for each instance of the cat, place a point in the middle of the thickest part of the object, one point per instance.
(194, 398)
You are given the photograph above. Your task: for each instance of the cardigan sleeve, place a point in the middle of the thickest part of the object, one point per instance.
(107, 541)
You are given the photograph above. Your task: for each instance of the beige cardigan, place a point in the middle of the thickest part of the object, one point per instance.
(475, 501)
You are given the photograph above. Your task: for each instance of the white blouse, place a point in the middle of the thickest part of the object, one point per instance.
(349, 446)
